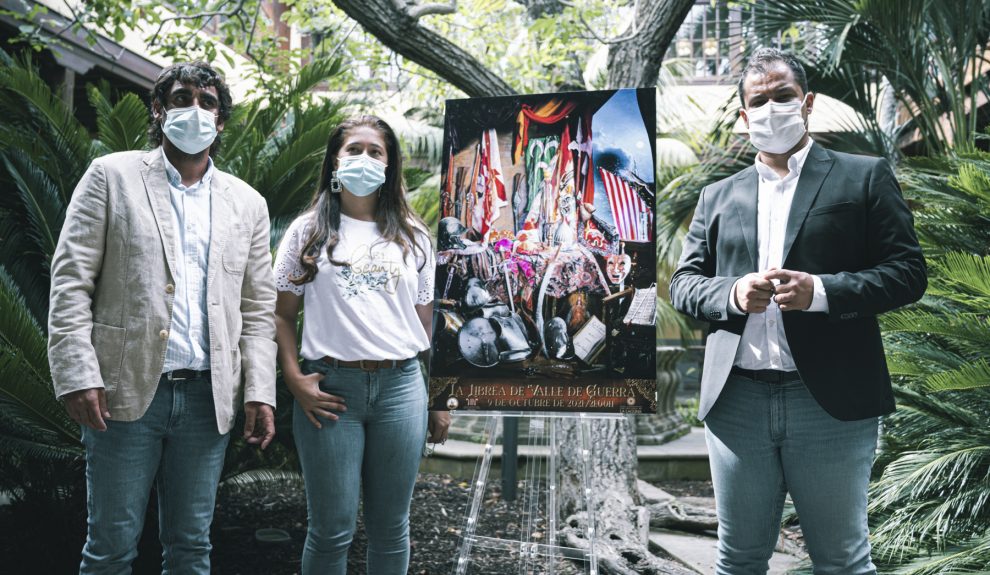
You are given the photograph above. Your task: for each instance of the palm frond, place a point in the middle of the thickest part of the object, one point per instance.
(122, 125)
(971, 326)
(962, 277)
(970, 376)
(254, 477)
(291, 176)
(36, 116)
(968, 558)
(41, 200)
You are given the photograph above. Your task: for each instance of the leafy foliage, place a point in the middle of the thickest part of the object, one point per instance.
(931, 502)
(930, 54)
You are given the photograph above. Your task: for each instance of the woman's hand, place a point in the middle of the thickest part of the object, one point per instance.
(312, 400)
(438, 425)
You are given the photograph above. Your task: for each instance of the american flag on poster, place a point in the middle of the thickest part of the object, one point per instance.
(633, 217)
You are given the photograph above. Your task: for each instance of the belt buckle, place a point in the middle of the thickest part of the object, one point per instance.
(370, 362)
(171, 377)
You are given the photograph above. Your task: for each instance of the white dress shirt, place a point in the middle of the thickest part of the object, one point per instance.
(764, 343)
(189, 339)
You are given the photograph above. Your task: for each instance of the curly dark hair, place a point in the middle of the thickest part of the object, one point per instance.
(199, 74)
(763, 59)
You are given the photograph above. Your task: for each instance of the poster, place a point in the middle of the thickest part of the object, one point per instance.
(546, 254)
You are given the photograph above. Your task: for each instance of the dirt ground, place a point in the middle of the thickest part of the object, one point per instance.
(49, 543)
(437, 516)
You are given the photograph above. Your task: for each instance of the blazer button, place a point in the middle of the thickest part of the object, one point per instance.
(163, 334)
(170, 288)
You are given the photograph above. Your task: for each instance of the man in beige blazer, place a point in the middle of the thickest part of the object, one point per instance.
(161, 326)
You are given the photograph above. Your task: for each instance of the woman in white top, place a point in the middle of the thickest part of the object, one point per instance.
(362, 261)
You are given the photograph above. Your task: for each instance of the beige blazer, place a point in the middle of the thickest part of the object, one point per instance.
(112, 289)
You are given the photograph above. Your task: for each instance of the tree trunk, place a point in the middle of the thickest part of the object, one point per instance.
(634, 60)
(621, 522)
(402, 33)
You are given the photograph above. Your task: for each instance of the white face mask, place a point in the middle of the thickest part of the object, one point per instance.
(191, 129)
(361, 175)
(776, 127)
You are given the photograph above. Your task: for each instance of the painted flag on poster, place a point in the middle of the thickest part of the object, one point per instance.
(633, 217)
(585, 183)
(582, 149)
(449, 189)
(490, 185)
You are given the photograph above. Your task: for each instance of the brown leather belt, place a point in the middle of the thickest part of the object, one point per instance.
(365, 364)
(183, 374)
(767, 375)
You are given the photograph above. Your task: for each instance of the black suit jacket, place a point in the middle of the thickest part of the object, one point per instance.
(849, 225)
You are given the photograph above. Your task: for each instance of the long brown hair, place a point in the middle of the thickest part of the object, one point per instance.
(393, 215)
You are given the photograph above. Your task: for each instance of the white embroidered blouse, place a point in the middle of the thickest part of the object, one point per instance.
(365, 310)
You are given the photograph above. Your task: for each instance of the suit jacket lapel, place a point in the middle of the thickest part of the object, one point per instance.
(221, 208)
(816, 167)
(156, 185)
(745, 192)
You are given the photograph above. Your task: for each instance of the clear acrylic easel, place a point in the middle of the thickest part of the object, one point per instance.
(534, 556)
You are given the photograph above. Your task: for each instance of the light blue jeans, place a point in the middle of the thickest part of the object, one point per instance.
(376, 445)
(174, 445)
(766, 440)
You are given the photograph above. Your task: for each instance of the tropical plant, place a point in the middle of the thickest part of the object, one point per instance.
(931, 502)
(930, 54)
(44, 151)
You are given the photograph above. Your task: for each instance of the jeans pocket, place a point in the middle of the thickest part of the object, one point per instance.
(314, 366)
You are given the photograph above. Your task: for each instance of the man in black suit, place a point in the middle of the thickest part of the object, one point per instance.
(790, 261)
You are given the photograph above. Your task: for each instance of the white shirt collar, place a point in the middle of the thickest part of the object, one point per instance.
(794, 164)
(175, 179)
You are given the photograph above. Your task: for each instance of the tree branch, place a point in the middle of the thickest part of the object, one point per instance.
(416, 11)
(634, 61)
(77, 19)
(399, 30)
(238, 9)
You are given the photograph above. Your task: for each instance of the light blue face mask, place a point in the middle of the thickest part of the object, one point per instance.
(361, 175)
(191, 129)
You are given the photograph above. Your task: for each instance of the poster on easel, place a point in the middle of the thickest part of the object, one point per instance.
(546, 254)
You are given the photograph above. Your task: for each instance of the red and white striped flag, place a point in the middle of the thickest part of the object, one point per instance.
(490, 185)
(633, 217)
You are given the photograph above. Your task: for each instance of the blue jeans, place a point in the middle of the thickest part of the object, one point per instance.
(376, 444)
(765, 440)
(174, 445)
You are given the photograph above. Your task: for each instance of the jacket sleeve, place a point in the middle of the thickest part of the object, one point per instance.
(75, 268)
(694, 288)
(897, 275)
(257, 343)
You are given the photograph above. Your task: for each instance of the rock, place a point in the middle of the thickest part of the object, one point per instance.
(699, 552)
(651, 493)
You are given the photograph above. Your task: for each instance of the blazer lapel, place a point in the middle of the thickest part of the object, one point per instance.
(816, 168)
(746, 191)
(221, 208)
(156, 185)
